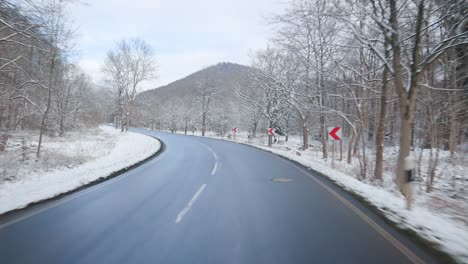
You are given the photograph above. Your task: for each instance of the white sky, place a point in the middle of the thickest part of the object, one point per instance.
(186, 35)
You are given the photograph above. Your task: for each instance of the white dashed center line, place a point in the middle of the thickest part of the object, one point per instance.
(189, 205)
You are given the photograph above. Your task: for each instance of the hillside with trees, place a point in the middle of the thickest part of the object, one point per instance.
(207, 98)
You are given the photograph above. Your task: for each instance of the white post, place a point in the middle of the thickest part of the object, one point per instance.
(333, 154)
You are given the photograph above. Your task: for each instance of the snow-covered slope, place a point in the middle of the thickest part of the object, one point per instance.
(98, 154)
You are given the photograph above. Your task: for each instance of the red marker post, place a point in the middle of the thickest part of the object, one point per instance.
(335, 134)
(271, 133)
(234, 131)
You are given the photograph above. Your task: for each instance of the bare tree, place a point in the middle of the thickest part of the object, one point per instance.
(68, 96)
(308, 30)
(206, 91)
(59, 36)
(270, 99)
(126, 68)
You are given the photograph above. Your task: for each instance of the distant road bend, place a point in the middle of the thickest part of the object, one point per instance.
(206, 201)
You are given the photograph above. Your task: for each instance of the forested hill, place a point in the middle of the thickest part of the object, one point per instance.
(226, 76)
(205, 98)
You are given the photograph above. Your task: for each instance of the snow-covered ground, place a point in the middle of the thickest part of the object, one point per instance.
(66, 163)
(440, 216)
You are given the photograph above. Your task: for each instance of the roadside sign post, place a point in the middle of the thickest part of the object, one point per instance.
(333, 153)
(335, 134)
(234, 131)
(271, 133)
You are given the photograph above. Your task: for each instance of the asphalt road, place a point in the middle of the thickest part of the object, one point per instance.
(206, 201)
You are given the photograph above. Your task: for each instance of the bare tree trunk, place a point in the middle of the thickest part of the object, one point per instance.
(350, 148)
(46, 112)
(127, 114)
(357, 139)
(452, 125)
(380, 136)
(270, 137)
(254, 130)
(203, 124)
(407, 97)
(61, 126)
(122, 118)
(433, 136)
(432, 169)
(405, 145)
(364, 157)
(433, 161)
(305, 135)
(323, 134)
(393, 120)
(341, 150)
(8, 119)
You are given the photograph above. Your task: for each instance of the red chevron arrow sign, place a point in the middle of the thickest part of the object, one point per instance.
(271, 131)
(335, 132)
(234, 130)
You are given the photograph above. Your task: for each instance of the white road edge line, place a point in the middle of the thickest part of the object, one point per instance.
(189, 205)
(392, 240)
(213, 172)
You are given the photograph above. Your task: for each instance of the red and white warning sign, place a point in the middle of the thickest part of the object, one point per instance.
(271, 131)
(335, 133)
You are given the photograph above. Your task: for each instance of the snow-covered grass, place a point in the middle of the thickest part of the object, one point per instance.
(440, 216)
(66, 163)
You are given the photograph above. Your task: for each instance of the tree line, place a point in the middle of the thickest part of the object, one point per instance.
(41, 87)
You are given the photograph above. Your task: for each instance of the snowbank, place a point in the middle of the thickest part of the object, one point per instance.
(101, 154)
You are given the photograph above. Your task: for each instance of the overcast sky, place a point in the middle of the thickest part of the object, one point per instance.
(186, 35)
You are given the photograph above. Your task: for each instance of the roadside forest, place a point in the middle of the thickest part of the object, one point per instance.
(42, 88)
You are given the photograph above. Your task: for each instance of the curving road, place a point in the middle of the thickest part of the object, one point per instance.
(205, 201)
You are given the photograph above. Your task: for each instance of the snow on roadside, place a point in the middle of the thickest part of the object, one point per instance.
(437, 226)
(112, 152)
